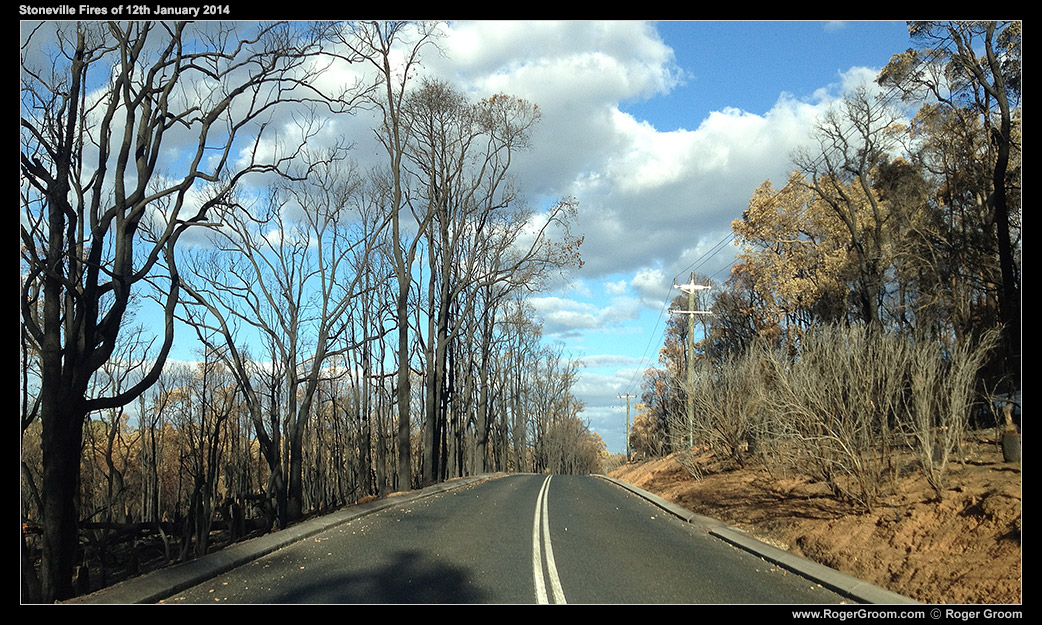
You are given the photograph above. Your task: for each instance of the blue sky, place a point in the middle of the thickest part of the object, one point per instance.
(749, 64)
(661, 131)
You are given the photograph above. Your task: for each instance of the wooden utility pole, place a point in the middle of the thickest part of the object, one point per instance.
(627, 396)
(690, 288)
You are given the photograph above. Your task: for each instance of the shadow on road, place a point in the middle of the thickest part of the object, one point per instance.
(407, 579)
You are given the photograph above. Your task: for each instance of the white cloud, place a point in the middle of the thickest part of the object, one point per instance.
(578, 72)
(647, 197)
(593, 61)
(652, 285)
(609, 360)
(561, 315)
(621, 309)
(579, 288)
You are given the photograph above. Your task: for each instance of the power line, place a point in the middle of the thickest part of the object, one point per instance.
(704, 258)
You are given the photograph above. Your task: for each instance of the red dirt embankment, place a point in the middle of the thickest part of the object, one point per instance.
(962, 548)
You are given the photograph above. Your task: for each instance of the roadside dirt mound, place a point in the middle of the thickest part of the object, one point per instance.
(962, 548)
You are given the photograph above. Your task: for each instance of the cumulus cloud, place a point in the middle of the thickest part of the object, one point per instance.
(652, 285)
(648, 197)
(562, 315)
(578, 72)
(609, 360)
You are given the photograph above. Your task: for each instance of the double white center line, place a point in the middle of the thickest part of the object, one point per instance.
(541, 538)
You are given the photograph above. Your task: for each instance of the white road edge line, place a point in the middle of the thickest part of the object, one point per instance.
(537, 555)
(541, 534)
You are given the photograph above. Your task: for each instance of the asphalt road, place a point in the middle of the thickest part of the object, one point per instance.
(517, 539)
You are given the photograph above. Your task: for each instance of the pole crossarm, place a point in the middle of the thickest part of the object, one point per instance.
(691, 287)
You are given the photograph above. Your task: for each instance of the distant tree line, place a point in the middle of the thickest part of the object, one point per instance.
(875, 303)
(361, 331)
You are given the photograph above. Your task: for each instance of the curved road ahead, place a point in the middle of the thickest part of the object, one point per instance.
(516, 539)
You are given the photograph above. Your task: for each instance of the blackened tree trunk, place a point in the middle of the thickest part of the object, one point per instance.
(96, 103)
